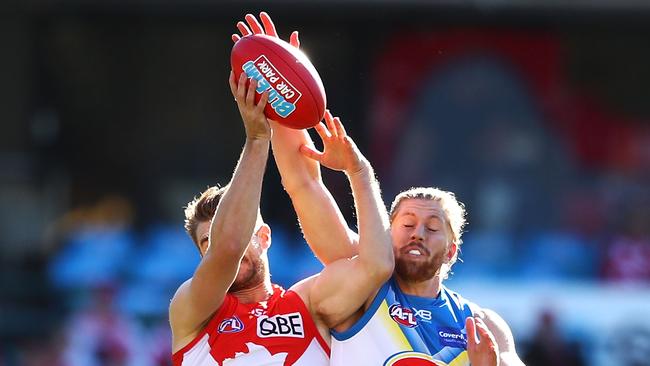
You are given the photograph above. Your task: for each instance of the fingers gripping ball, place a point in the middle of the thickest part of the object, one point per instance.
(296, 94)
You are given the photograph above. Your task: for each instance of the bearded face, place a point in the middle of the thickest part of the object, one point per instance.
(421, 240)
(253, 267)
(252, 271)
(415, 263)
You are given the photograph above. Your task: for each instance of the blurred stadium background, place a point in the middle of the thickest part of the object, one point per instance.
(114, 114)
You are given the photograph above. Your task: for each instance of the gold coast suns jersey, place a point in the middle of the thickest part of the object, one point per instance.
(276, 332)
(403, 330)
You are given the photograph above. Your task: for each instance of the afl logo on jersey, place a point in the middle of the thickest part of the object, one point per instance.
(403, 315)
(231, 325)
(410, 358)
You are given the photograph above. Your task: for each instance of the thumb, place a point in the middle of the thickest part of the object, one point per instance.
(311, 153)
(294, 40)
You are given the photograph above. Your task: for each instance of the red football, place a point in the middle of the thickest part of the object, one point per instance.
(296, 93)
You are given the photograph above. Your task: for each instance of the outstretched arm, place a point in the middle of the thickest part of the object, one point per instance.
(232, 225)
(346, 285)
(325, 229)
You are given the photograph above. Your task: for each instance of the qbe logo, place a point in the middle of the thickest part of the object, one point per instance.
(282, 325)
(403, 315)
(231, 325)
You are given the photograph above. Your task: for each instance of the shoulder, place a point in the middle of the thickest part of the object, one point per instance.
(183, 330)
(177, 303)
(180, 311)
(303, 289)
(467, 306)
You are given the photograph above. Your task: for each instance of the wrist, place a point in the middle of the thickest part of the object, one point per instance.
(258, 138)
(360, 169)
(258, 142)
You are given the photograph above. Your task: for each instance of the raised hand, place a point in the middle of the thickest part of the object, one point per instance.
(484, 352)
(256, 28)
(256, 125)
(339, 151)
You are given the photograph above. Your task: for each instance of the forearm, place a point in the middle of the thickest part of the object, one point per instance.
(344, 286)
(375, 247)
(296, 171)
(234, 221)
(325, 229)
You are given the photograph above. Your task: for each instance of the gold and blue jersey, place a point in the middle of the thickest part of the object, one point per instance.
(405, 330)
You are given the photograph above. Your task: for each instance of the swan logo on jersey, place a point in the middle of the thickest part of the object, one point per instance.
(231, 325)
(410, 358)
(403, 315)
(256, 355)
(281, 325)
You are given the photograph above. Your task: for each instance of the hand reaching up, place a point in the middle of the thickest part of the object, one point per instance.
(256, 28)
(339, 151)
(255, 122)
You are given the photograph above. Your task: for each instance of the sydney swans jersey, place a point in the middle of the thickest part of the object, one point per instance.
(279, 331)
(404, 330)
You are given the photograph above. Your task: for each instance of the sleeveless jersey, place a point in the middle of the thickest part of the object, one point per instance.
(404, 330)
(279, 331)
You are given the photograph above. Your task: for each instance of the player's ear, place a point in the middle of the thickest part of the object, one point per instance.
(264, 235)
(203, 247)
(451, 252)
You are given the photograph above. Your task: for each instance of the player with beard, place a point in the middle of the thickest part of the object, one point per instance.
(229, 312)
(413, 318)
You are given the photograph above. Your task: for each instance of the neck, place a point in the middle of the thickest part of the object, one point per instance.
(428, 288)
(257, 293)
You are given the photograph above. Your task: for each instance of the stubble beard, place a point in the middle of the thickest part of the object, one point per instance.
(253, 276)
(420, 271)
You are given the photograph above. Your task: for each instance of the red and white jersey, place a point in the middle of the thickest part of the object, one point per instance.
(278, 331)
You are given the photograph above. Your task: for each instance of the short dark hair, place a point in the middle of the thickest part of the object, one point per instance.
(201, 209)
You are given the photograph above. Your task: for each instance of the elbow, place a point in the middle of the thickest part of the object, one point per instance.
(381, 269)
(387, 267)
(296, 187)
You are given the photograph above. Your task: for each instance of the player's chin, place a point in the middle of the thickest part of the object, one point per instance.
(414, 270)
(244, 280)
(250, 275)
